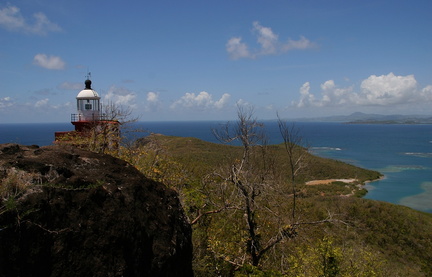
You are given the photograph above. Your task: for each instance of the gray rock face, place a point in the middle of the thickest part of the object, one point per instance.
(69, 212)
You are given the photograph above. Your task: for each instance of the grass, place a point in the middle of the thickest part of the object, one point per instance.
(372, 238)
(13, 183)
(202, 157)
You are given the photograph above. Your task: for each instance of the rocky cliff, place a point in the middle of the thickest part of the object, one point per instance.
(69, 212)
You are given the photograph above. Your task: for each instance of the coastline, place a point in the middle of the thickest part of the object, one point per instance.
(367, 184)
(329, 181)
(370, 146)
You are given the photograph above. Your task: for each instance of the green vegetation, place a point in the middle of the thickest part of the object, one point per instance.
(254, 214)
(201, 157)
(362, 237)
(13, 183)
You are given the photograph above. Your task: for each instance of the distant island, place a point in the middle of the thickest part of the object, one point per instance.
(363, 118)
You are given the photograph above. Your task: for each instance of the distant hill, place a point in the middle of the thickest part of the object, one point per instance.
(363, 118)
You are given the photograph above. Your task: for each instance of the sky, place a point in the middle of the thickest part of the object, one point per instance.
(201, 59)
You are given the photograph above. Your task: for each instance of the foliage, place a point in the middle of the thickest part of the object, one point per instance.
(13, 183)
(99, 137)
(201, 158)
(371, 235)
(241, 187)
(329, 260)
(105, 135)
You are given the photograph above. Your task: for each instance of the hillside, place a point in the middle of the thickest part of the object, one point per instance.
(201, 158)
(365, 237)
(66, 211)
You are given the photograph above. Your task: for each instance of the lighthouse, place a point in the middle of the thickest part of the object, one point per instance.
(88, 108)
(93, 128)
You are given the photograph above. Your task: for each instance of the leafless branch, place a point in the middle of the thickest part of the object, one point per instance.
(201, 214)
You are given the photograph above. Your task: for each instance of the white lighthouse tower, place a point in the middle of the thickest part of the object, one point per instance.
(88, 104)
(90, 121)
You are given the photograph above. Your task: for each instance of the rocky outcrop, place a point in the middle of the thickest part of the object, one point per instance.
(68, 212)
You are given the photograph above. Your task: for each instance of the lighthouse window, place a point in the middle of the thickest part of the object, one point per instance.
(88, 106)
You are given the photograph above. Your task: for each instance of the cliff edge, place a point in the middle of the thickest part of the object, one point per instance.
(68, 212)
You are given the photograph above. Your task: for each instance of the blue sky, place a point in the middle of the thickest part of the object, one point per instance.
(197, 60)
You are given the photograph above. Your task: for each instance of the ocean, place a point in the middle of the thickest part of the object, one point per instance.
(403, 153)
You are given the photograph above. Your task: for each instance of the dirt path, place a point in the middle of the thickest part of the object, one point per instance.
(329, 181)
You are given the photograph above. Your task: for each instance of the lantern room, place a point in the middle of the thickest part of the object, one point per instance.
(88, 104)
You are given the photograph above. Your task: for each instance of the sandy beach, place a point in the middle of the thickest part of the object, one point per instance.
(329, 181)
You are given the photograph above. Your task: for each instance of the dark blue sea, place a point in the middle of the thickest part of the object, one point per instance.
(403, 153)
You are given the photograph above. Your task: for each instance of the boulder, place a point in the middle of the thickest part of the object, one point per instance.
(65, 211)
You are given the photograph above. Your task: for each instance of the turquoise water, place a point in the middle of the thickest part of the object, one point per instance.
(403, 153)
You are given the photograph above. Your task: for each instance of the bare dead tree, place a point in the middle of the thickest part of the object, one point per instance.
(248, 132)
(123, 115)
(248, 184)
(120, 113)
(252, 176)
(296, 152)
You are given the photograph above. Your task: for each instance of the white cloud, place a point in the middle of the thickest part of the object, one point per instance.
(426, 93)
(34, 110)
(384, 90)
(332, 95)
(47, 106)
(242, 102)
(306, 98)
(223, 101)
(201, 101)
(301, 44)
(11, 19)
(266, 38)
(121, 97)
(42, 103)
(269, 42)
(236, 49)
(153, 102)
(152, 97)
(388, 89)
(5, 102)
(49, 62)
